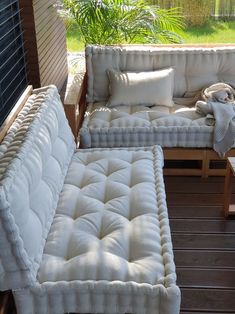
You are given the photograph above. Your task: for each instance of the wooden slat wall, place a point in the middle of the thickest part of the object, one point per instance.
(30, 43)
(45, 43)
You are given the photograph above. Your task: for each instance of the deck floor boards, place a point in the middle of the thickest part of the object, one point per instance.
(204, 246)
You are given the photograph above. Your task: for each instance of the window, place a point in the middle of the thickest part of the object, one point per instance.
(13, 76)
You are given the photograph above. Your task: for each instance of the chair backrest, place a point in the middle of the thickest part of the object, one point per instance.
(33, 165)
(195, 67)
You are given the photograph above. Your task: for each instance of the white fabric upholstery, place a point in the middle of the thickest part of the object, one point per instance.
(142, 126)
(16, 125)
(195, 68)
(83, 231)
(33, 165)
(109, 248)
(141, 88)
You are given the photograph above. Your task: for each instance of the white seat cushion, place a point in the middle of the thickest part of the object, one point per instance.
(110, 240)
(106, 221)
(125, 126)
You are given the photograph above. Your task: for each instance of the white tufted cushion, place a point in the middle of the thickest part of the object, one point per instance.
(142, 126)
(109, 248)
(32, 171)
(195, 68)
(15, 126)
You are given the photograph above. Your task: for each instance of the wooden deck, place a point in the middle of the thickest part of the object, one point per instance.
(204, 246)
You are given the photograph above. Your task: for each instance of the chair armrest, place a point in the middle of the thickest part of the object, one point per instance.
(14, 112)
(75, 102)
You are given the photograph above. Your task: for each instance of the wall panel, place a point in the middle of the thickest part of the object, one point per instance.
(45, 43)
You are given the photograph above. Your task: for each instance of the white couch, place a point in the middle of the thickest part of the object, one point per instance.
(82, 231)
(139, 125)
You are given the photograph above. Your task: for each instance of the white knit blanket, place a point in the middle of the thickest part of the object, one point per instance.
(219, 108)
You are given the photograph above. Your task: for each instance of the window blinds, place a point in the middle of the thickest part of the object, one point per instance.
(13, 76)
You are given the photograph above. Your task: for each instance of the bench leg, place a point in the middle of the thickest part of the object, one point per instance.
(227, 190)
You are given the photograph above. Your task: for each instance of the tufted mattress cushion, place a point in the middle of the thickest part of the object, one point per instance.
(33, 163)
(9, 137)
(143, 126)
(109, 249)
(194, 67)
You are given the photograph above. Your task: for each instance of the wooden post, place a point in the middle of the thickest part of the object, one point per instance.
(45, 43)
(30, 42)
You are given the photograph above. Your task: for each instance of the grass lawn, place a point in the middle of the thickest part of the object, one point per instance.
(212, 32)
(73, 40)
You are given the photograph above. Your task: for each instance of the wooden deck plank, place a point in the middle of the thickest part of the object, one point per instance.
(204, 259)
(197, 198)
(197, 186)
(195, 312)
(206, 278)
(208, 300)
(202, 226)
(203, 241)
(195, 211)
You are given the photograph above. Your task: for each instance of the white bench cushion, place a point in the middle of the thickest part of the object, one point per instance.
(109, 249)
(33, 164)
(194, 67)
(125, 126)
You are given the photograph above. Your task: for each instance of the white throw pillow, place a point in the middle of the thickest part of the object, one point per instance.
(141, 88)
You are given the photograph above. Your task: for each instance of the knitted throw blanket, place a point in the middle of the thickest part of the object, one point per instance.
(218, 105)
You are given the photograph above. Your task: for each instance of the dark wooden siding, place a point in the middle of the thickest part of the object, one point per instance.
(30, 42)
(45, 43)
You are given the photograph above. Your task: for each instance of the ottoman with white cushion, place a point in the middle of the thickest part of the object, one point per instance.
(82, 231)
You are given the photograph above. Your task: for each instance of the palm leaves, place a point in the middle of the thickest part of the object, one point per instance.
(124, 21)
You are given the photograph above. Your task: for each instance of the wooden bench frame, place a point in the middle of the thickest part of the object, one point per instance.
(75, 111)
(205, 158)
(14, 112)
(229, 208)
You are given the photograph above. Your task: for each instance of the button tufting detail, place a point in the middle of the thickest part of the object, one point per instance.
(112, 229)
(144, 126)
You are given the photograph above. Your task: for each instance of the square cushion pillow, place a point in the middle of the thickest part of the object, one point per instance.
(141, 88)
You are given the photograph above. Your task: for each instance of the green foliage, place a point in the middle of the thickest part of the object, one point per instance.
(124, 21)
(73, 36)
(211, 32)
